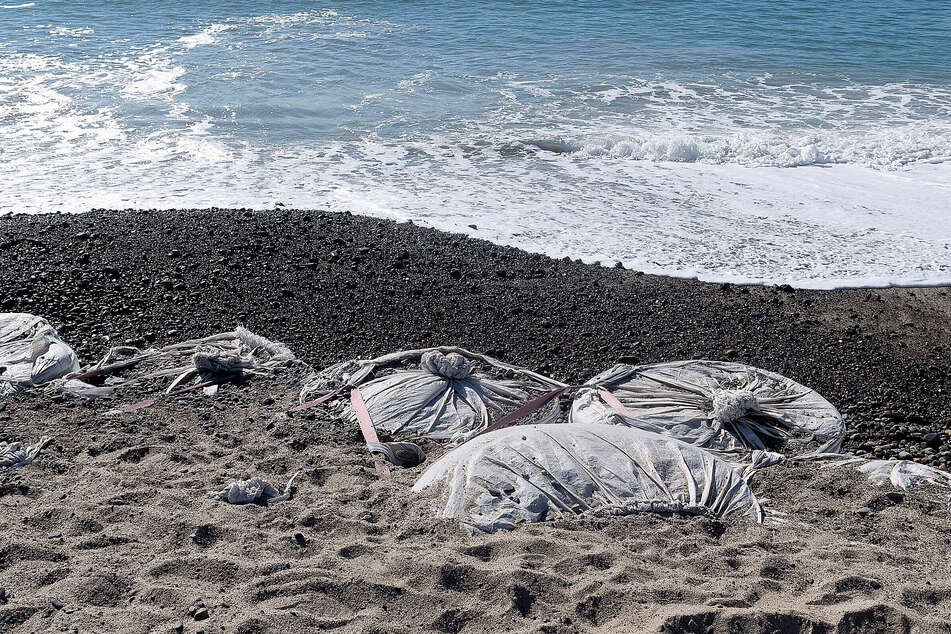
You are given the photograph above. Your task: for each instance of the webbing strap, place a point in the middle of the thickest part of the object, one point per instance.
(366, 426)
(523, 411)
(615, 404)
(318, 401)
(152, 401)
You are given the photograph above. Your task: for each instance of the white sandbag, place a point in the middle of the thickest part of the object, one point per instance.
(31, 353)
(218, 356)
(537, 472)
(721, 406)
(451, 393)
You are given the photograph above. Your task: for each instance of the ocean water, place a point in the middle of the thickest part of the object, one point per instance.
(785, 142)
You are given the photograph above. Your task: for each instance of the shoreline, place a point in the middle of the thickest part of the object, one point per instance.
(110, 529)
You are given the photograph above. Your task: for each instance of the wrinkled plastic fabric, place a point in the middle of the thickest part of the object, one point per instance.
(16, 454)
(31, 353)
(252, 491)
(538, 472)
(902, 474)
(725, 407)
(213, 357)
(450, 394)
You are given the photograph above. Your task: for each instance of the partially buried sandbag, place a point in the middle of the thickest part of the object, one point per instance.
(725, 407)
(538, 472)
(444, 393)
(31, 353)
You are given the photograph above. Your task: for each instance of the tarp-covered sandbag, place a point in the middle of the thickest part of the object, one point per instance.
(721, 406)
(207, 360)
(436, 393)
(537, 472)
(31, 353)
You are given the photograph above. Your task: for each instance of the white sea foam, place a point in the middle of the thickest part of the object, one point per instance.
(25, 5)
(205, 36)
(156, 81)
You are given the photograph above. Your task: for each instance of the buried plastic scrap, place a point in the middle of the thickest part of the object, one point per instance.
(31, 353)
(16, 454)
(725, 407)
(537, 472)
(451, 393)
(253, 491)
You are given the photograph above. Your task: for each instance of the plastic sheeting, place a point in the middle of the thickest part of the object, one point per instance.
(252, 491)
(902, 474)
(31, 353)
(209, 358)
(537, 472)
(721, 406)
(451, 394)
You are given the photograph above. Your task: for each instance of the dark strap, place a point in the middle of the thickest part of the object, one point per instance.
(523, 411)
(318, 401)
(152, 401)
(366, 426)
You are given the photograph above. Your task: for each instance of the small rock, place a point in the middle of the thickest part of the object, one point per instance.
(932, 439)
(731, 353)
(3, 595)
(864, 511)
(55, 535)
(201, 614)
(60, 495)
(56, 603)
(178, 626)
(300, 539)
(904, 455)
(896, 497)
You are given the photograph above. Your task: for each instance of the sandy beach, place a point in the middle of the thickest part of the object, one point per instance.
(110, 529)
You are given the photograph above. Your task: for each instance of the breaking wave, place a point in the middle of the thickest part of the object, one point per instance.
(891, 149)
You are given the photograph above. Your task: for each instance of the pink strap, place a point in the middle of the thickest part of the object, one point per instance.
(152, 401)
(366, 426)
(318, 401)
(615, 404)
(523, 411)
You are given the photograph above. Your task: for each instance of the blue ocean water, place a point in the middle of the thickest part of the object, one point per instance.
(805, 142)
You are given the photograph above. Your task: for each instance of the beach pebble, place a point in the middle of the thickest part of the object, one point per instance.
(178, 626)
(201, 614)
(3, 595)
(932, 439)
(864, 511)
(55, 535)
(57, 604)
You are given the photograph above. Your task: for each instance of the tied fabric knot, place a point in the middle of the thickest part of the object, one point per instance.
(214, 360)
(731, 405)
(450, 366)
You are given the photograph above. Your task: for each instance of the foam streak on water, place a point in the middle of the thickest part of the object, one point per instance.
(807, 143)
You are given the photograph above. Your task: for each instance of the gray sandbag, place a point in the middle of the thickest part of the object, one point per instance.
(537, 472)
(434, 393)
(31, 353)
(725, 407)
(226, 354)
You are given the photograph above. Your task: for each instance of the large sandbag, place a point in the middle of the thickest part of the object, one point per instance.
(31, 353)
(721, 406)
(435, 393)
(536, 472)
